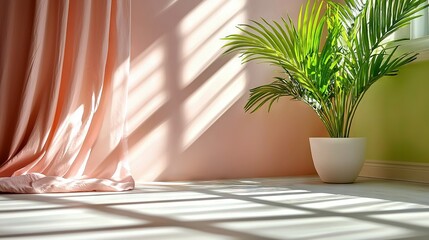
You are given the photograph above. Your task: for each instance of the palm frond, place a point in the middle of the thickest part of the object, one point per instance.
(331, 74)
(270, 93)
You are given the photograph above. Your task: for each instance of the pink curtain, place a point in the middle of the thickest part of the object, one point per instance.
(63, 85)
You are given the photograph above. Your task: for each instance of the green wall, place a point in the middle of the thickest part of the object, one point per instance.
(394, 116)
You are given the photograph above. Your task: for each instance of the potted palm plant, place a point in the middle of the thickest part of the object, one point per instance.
(329, 72)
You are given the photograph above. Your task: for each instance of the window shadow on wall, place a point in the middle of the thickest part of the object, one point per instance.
(182, 87)
(178, 83)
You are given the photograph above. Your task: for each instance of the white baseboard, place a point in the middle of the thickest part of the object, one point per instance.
(404, 171)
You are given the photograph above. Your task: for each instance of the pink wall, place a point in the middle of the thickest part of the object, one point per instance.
(186, 118)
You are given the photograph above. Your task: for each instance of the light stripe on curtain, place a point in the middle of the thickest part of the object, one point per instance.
(63, 85)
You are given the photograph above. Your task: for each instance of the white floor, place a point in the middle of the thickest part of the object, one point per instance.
(280, 208)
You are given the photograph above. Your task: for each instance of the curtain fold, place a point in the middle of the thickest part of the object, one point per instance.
(63, 86)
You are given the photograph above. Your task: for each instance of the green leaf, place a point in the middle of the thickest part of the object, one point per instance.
(329, 73)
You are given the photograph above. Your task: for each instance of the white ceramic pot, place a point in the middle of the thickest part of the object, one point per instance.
(338, 160)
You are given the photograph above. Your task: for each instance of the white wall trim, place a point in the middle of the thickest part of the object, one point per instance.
(404, 171)
(418, 45)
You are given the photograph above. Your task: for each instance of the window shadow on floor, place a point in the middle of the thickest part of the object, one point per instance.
(232, 209)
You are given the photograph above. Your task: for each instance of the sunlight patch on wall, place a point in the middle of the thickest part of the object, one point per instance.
(146, 87)
(212, 99)
(148, 155)
(202, 30)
